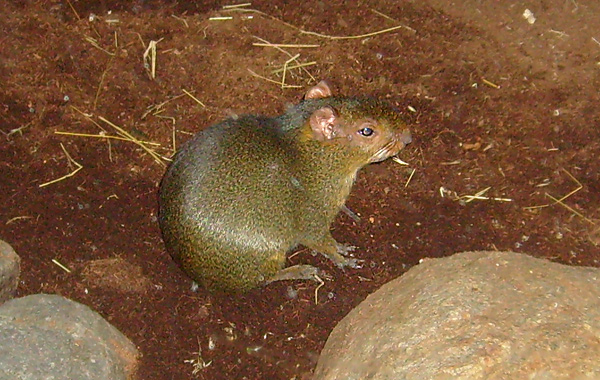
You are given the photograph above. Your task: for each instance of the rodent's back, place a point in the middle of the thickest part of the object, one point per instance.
(228, 196)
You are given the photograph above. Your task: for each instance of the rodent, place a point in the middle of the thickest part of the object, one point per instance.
(241, 194)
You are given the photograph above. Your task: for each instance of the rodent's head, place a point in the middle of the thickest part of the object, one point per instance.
(368, 129)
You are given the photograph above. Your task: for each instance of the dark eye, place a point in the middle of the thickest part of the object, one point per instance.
(366, 131)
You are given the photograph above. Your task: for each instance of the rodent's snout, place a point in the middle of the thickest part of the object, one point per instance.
(405, 137)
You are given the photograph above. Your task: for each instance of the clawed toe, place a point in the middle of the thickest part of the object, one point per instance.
(345, 250)
(352, 263)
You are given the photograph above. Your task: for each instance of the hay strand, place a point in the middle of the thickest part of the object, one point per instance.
(71, 174)
(61, 266)
(193, 97)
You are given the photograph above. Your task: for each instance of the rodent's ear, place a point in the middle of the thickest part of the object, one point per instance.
(321, 90)
(322, 123)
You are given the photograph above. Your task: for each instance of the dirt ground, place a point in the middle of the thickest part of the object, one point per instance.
(500, 108)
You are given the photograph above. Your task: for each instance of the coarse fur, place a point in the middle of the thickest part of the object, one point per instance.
(242, 193)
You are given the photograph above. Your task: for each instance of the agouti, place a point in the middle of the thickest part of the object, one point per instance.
(243, 193)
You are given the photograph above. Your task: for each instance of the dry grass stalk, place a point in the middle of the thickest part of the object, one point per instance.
(494, 85)
(273, 81)
(16, 218)
(300, 46)
(561, 200)
(321, 284)
(479, 196)
(158, 159)
(71, 161)
(300, 65)
(285, 69)
(102, 136)
(150, 58)
(234, 6)
(193, 97)
(126, 136)
(158, 107)
(61, 266)
(410, 177)
(329, 37)
(94, 43)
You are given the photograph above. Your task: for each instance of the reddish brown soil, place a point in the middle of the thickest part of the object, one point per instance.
(535, 136)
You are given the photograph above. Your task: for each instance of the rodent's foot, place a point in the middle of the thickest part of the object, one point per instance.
(344, 249)
(352, 263)
(297, 272)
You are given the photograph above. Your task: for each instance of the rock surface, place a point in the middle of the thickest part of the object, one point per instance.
(51, 337)
(474, 315)
(10, 269)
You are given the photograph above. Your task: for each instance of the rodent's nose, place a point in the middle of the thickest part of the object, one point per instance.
(406, 137)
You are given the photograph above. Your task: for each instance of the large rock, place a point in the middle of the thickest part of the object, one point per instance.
(51, 337)
(10, 269)
(475, 315)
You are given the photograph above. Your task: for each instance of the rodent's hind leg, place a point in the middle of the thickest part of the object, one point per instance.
(296, 272)
(335, 252)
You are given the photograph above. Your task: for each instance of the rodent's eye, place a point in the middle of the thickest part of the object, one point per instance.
(366, 131)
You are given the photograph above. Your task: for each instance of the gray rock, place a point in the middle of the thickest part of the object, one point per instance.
(10, 269)
(475, 315)
(53, 338)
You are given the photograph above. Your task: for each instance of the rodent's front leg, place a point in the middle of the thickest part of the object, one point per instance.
(335, 251)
